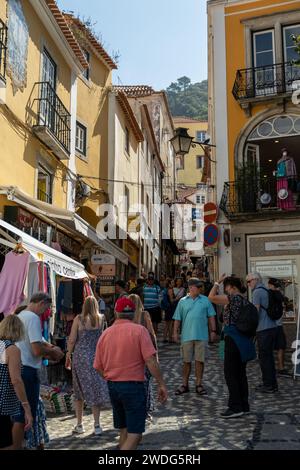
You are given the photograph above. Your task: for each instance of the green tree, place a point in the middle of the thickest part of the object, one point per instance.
(296, 40)
(188, 99)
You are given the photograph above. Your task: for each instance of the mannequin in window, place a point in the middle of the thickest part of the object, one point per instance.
(286, 180)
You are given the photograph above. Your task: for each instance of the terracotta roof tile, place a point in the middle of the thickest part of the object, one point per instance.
(188, 119)
(126, 108)
(62, 23)
(136, 91)
(89, 36)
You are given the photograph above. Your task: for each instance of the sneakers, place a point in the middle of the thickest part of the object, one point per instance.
(79, 429)
(231, 414)
(98, 430)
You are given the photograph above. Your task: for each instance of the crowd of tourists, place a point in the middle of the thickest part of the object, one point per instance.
(115, 357)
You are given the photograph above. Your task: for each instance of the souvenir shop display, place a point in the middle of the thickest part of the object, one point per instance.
(28, 266)
(286, 175)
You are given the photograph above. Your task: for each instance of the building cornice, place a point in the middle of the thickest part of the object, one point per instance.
(56, 25)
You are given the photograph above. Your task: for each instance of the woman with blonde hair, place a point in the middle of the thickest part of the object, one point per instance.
(142, 317)
(12, 390)
(88, 385)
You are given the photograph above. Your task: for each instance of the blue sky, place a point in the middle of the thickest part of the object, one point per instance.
(158, 40)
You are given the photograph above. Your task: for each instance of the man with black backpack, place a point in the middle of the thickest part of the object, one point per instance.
(269, 312)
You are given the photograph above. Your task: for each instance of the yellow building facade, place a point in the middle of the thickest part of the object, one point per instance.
(254, 115)
(190, 168)
(54, 85)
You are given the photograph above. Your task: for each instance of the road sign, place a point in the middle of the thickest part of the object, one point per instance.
(210, 212)
(196, 213)
(211, 235)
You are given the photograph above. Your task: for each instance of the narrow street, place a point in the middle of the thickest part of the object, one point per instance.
(193, 422)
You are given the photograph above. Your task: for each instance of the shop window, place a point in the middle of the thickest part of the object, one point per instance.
(45, 183)
(286, 271)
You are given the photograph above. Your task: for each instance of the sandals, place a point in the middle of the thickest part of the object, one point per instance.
(182, 389)
(200, 390)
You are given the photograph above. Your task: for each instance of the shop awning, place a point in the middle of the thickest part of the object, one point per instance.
(66, 218)
(58, 262)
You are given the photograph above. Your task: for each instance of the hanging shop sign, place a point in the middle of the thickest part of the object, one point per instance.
(107, 285)
(36, 228)
(210, 212)
(196, 213)
(58, 262)
(283, 246)
(211, 251)
(211, 235)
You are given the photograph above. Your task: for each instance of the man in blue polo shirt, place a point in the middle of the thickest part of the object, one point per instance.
(195, 315)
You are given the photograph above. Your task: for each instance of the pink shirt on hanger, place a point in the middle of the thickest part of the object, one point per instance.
(12, 281)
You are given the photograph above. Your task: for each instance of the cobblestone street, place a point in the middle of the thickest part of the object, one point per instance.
(193, 422)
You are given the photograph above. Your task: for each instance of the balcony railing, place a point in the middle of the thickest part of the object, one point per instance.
(53, 115)
(250, 195)
(267, 81)
(3, 48)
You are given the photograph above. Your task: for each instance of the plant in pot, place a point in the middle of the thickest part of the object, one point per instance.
(248, 186)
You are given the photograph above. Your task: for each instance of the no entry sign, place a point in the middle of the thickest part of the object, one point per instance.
(211, 235)
(210, 213)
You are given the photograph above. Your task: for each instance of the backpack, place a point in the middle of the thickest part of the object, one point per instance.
(275, 308)
(247, 321)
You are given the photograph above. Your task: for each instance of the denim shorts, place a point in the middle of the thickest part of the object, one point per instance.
(30, 377)
(128, 401)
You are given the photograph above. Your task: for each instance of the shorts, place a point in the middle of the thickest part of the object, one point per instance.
(155, 314)
(6, 439)
(30, 377)
(128, 401)
(194, 349)
(280, 340)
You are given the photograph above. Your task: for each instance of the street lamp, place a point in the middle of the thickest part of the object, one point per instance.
(182, 142)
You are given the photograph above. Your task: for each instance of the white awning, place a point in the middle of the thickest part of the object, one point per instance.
(58, 262)
(65, 218)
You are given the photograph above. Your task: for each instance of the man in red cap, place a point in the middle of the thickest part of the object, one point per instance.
(121, 355)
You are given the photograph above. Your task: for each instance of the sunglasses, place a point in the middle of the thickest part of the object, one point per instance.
(250, 280)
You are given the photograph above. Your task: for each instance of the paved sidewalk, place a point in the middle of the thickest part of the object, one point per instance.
(192, 422)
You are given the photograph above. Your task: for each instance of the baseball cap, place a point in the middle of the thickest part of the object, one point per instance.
(194, 281)
(124, 305)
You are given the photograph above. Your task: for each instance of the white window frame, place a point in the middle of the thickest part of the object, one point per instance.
(81, 151)
(203, 133)
(272, 89)
(49, 172)
(202, 162)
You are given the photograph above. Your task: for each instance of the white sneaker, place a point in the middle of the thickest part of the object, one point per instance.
(78, 429)
(98, 430)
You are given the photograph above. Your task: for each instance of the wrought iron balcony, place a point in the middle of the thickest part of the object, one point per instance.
(267, 81)
(52, 122)
(249, 196)
(3, 48)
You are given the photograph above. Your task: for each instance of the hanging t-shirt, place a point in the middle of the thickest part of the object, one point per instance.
(12, 281)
